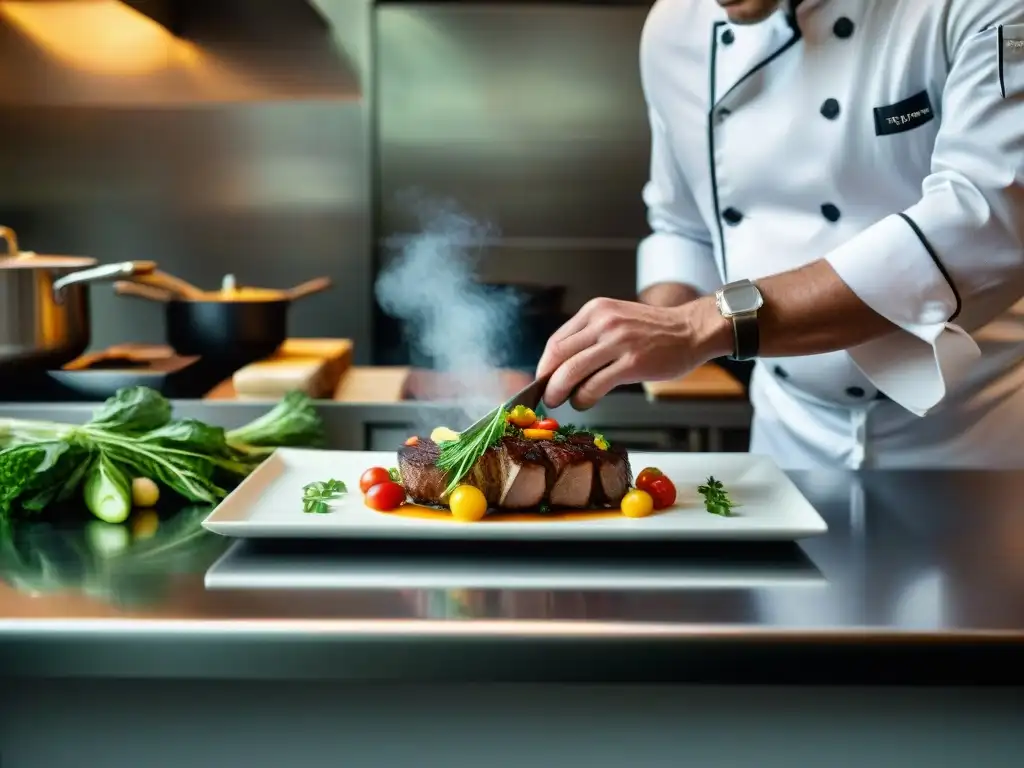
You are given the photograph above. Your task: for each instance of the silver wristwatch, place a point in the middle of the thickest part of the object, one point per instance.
(739, 302)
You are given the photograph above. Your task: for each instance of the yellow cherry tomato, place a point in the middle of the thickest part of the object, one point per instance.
(468, 504)
(522, 417)
(539, 434)
(600, 443)
(637, 504)
(145, 493)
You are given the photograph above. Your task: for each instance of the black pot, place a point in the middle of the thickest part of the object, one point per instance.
(234, 333)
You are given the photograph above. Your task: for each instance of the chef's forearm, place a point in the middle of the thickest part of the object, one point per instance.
(807, 311)
(669, 294)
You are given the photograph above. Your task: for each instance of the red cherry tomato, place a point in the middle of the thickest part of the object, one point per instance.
(384, 497)
(643, 480)
(662, 491)
(550, 424)
(373, 476)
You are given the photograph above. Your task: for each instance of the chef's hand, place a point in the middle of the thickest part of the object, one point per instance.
(609, 343)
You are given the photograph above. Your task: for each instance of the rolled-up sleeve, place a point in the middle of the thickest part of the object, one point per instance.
(954, 260)
(679, 249)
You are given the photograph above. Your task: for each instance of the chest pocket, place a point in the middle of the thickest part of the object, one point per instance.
(1011, 60)
(905, 132)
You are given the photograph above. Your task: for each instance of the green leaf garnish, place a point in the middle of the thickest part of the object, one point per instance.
(316, 497)
(457, 457)
(565, 431)
(716, 498)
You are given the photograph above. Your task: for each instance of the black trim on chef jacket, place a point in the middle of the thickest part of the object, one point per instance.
(713, 103)
(935, 257)
(1002, 79)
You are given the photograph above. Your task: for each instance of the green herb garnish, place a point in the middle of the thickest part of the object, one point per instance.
(457, 457)
(316, 497)
(716, 498)
(565, 431)
(395, 475)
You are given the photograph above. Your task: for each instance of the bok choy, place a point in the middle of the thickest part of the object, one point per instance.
(133, 435)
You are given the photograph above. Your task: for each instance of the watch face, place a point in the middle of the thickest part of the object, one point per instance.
(737, 299)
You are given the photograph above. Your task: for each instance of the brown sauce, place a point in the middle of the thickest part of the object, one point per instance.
(419, 512)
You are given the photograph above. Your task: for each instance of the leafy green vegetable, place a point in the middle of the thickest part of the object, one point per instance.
(716, 498)
(457, 457)
(395, 475)
(132, 435)
(133, 411)
(292, 422)
(59, 480)
(316, 497)
(108, 491)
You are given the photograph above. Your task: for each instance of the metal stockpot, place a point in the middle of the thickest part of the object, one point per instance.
(44, 305)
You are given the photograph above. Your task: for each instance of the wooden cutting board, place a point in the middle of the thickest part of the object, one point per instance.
(314, 366)
(708, 381)
(372, 385)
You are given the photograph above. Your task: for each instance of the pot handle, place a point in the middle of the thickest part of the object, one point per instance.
(103, 272)
(7, 235)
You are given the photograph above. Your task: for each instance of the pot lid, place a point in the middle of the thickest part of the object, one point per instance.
(32, 260)
(14, 258)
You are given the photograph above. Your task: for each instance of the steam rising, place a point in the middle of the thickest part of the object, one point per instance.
(429, 285)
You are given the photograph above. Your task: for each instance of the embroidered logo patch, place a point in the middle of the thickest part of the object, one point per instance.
(1011, 59)
(904, 115)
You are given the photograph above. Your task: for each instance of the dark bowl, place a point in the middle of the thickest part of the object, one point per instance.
(231, 332)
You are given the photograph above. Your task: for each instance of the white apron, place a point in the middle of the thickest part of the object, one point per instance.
(887, 138)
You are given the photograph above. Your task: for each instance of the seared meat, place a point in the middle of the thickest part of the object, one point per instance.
(525, 474)
(423, 481)
(574, 474)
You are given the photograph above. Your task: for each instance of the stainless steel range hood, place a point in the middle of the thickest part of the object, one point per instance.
(184, 17)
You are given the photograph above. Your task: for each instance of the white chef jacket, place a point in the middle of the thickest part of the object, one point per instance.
(886, 136)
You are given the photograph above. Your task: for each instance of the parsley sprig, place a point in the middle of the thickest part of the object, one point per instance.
(716, 498)
(316, 497)
(565, 431)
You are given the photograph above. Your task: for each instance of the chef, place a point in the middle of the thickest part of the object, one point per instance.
(836, 192)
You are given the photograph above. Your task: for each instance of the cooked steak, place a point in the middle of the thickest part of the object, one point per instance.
(525, 474)
(574, 474)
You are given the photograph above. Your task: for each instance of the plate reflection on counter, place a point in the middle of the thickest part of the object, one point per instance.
(605, 566)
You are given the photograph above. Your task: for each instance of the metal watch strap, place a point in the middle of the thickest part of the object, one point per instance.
(746, 336)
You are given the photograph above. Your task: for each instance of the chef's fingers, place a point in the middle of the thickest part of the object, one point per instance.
(601, 383)
(576, 323)
(561, 349)
(574, 371)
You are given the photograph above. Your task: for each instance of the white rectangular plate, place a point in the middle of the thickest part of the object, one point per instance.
(268, 504)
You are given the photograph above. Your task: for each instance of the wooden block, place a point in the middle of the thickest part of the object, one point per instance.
(708, 381)
(373, 385)
(313, 366)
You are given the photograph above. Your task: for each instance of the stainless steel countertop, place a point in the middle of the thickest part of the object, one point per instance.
(920, 578)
